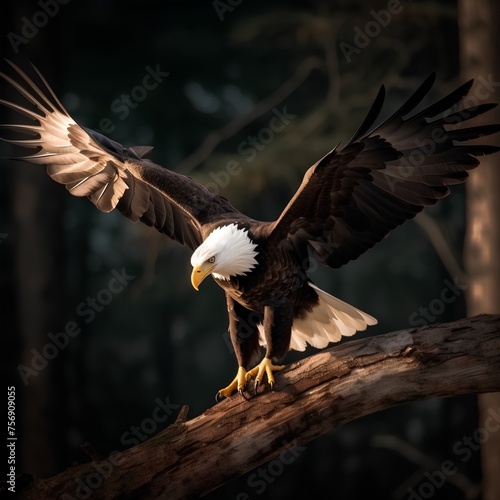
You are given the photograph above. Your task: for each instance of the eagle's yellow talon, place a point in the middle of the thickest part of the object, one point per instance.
(265, 366)
(238, 384)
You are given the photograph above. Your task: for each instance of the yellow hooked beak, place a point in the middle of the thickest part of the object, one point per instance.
(200, 273)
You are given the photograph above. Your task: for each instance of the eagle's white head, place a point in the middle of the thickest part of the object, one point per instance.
(227, 251)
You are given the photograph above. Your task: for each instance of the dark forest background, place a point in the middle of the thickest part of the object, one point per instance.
(223, 71)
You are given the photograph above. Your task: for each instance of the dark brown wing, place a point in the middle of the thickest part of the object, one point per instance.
(90, 164)
(351, 198)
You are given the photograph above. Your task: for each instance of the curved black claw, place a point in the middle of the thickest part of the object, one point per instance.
(255, 387)
(218, 397)
(242, 393)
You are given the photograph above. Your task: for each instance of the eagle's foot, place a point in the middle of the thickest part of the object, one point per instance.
(238, 384)
(265, 366)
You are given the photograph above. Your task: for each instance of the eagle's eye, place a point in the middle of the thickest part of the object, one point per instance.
(211, 260)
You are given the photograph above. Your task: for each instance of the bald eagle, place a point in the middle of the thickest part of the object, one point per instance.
(348, 201)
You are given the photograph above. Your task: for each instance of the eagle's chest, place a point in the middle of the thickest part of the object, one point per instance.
(278, 279)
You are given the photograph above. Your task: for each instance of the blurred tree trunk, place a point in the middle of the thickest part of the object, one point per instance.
(479, 23)
(36, 205)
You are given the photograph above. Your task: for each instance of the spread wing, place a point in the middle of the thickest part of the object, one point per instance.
(351, 198)
(112, 176)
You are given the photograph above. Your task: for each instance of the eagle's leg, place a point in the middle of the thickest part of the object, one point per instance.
(277, 330)
(244, 335)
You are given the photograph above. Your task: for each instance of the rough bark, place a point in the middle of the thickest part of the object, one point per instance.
(311, 397)
(479, 23)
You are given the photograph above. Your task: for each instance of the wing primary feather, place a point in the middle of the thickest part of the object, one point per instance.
(445, 103)
(25, 93)
(37, 90)
(466, 134)
(465, 114)
(22, 129)
(412, 102)
(371, 116)
(26, 143)
(416, 98)
(21, 109)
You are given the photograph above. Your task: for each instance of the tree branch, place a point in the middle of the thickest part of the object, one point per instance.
(311, 397)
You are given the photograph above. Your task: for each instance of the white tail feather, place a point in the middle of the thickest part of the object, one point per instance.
(328, 321)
